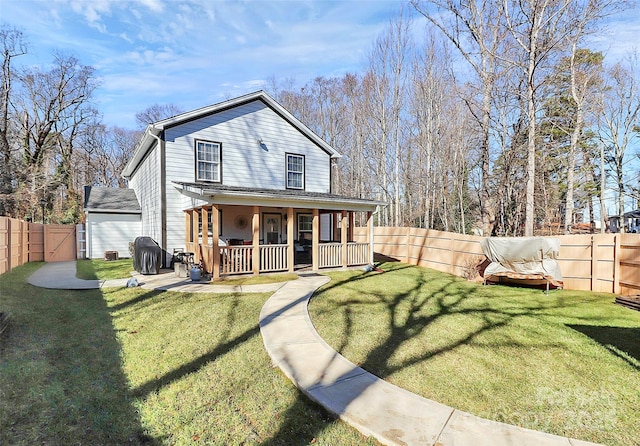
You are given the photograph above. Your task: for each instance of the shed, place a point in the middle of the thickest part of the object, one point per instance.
(113, 219)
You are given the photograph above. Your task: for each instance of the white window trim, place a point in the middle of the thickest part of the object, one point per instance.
(218, 169)
(287, 171)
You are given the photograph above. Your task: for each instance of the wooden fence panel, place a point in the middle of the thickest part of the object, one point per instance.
(598, 262)
(4, 245)
(603, 266)
(15, 243)
(36, 242)
(575, 260)
(629, 259)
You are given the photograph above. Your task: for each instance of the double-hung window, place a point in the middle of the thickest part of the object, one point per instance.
(208, 166)
(295, 171)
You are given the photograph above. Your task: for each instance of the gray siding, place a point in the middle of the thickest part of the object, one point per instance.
(244, 162)
(146, 183)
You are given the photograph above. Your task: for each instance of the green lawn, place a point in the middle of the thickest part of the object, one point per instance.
(131, 366)
(567, 363)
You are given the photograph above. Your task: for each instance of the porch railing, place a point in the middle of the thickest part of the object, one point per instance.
(235, 259)
(357, 253)
(273, 258)
(238, 259)
(329, 255)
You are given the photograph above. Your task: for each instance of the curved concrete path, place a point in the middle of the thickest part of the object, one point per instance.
(376, 408)
(392, 415)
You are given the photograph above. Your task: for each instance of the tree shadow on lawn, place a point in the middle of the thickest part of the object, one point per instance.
(62, 370)
(622, 342)
(407, 319)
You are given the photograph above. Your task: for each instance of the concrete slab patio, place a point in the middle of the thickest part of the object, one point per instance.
(376, 408)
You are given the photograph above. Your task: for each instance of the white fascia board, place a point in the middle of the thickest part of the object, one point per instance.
(239, 198)
(111, 211)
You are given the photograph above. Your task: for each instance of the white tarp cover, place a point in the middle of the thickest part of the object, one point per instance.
(522, 255)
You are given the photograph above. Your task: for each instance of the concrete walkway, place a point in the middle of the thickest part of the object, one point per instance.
(62, 275)
(376, 408)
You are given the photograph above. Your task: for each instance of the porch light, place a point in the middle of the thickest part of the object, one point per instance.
(262, 145)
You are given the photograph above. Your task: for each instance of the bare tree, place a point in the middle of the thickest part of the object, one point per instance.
(620, 118)
(156, 112)
(475, 29)
(13, 45)
(54, 106)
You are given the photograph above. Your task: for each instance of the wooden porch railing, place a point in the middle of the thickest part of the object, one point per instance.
(235, 259)
(238, 259)
(329, 255)
(273, 258)
(357, 253)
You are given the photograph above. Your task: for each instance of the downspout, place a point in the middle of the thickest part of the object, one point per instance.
(163, 196)
(371, 230)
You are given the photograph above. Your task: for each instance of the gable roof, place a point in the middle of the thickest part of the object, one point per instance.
(111, 200)
(155, 130)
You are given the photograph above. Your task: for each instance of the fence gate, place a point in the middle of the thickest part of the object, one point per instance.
(59, 243)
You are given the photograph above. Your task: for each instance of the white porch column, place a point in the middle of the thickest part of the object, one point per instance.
(291, 249)
(315, 237)
(255, 225)
(370, 235)
(343, 237)
(215, 242)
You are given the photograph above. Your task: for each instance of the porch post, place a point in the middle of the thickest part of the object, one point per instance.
(255, 225)
(352, 224)
(315, 237)
(370, 235)
(334, 229)
(187, 228)
(215, 242)
(196, 218)
(291, 250)
(205, 226)
(343, 237)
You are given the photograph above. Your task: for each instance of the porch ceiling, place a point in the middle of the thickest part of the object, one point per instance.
(244, 196)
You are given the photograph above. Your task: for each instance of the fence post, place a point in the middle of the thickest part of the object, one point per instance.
(593, 260)
(452, 264)
(9, 244)
(616, 264)
(406, 245)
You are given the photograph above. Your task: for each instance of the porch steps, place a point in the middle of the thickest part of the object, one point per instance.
(632, 302)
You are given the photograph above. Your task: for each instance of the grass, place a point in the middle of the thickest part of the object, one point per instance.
(99, 269)
(567, 363)
(127, 366)
(261, 279)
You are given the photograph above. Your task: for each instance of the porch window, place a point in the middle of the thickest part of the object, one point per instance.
(208, 161)
(295, 171)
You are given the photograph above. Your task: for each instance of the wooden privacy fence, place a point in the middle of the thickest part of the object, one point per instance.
(22, 242)
(593, 262)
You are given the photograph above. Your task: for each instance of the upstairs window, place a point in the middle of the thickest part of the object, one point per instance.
(295, 171)
(208, 164)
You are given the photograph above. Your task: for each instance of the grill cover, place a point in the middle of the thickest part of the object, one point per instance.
(147, 255)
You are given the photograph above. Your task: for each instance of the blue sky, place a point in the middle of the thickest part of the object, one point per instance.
(198, 52)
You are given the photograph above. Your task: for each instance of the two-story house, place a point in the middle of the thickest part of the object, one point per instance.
(258, 177)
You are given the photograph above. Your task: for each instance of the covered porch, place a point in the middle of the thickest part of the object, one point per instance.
(275, 233)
